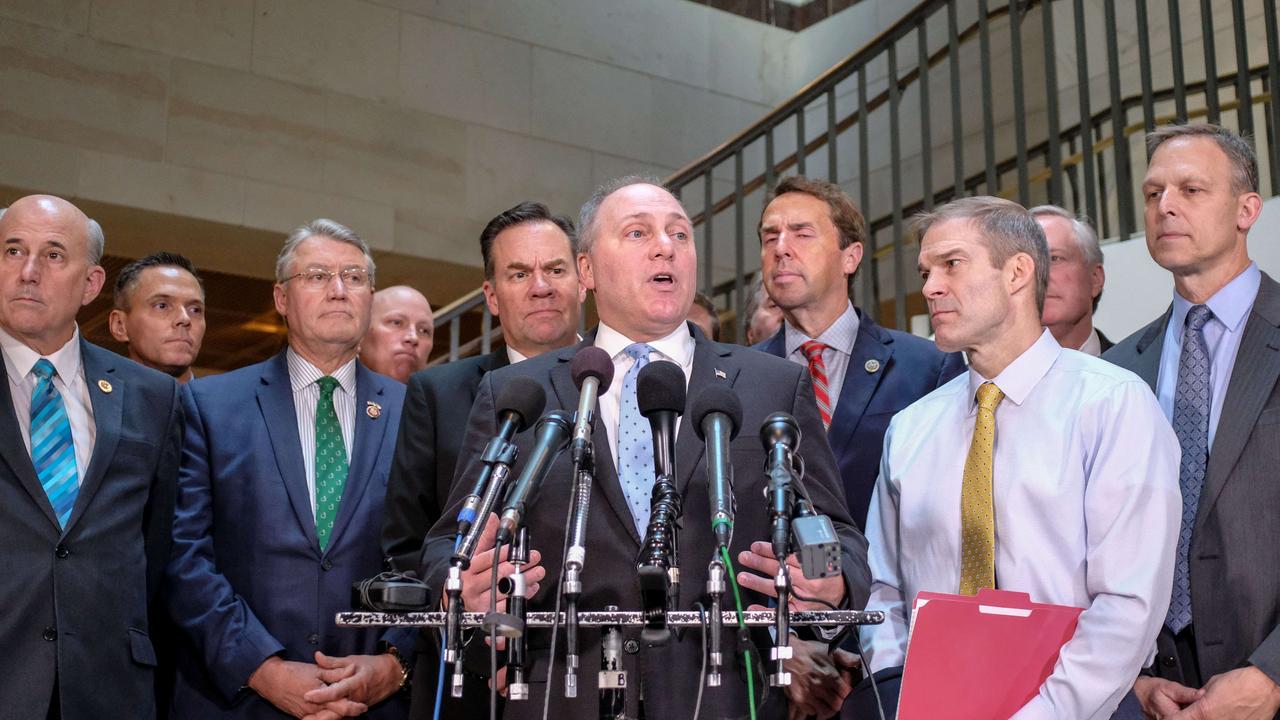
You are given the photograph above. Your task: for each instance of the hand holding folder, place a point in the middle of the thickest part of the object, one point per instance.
(980, 657)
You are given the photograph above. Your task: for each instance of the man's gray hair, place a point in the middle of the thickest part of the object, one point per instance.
(321, 227)
(1083, 229)
(1238, 149)
(587, 216)
(1007, 227)
(97, 242)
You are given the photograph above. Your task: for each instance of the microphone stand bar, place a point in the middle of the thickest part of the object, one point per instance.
(622, 618)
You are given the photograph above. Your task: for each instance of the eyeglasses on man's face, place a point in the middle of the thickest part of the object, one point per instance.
(317, 278)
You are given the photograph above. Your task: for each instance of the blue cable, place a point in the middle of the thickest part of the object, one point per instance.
(444, 643)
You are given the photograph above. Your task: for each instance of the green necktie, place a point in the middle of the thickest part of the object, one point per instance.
(331, 461)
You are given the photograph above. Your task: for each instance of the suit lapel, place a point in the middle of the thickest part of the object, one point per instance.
(14, 453)
(368, 438)
(710, 361)
(776, 345)
(1146, 361)
(275, 401)
(100, 365)
(859, 383)
(1253, 378)
(606, 476)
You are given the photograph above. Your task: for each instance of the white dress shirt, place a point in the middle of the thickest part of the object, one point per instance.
(306, 394)
(1092, 344)
(676, 347)
(70, 383)
(1087, 510)
(839, 338)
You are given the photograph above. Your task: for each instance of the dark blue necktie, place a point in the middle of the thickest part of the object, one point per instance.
(1191, 423)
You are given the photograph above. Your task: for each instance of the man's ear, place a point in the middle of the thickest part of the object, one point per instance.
(115, 322)
(585, 273)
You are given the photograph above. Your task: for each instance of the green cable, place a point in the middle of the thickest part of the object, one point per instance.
(742, 625)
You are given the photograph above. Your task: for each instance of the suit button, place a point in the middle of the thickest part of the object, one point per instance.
(326, 564)
(49, 634)
(313, 639)
(62, 551)
(631, 646)
(1168, 660)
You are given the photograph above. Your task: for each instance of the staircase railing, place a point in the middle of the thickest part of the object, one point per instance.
(939, 149)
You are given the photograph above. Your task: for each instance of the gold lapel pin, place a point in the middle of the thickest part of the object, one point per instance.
(720, 374)
(373, 410)
(104, 386)
(872, 365)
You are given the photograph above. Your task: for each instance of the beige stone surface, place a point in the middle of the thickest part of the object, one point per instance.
(394, 155)
(344, 45)
(40, 165)
(505, 169)
(71, 89)
(162, 187)
(218, 32)
(461, 73)
(593, 105)
(280, 208)
(70, 15)
(235, 122)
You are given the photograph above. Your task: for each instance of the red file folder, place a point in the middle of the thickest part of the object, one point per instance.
(979, 657)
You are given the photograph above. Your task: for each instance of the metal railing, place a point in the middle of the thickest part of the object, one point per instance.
(1078, 145)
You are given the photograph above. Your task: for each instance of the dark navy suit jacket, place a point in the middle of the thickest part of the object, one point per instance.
(908, 369)
(76, 599)
(248, 579)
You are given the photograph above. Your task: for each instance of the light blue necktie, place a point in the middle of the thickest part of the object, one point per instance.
(635, 443)
(53, 452)
(1191, 425)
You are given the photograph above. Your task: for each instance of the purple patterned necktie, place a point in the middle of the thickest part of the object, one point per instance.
(1191, 423)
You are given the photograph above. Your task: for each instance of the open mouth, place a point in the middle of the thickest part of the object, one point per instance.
(663, 279)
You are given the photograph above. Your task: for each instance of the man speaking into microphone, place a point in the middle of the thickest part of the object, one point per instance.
(637, 254)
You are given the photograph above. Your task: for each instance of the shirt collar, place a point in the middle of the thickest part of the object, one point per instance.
(1021, 376)
(1092, 344)
(1230, 305)
(19, 358)
(676, 347)
(302, 373)
(839, 336)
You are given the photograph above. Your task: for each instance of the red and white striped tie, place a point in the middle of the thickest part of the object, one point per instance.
(818, 369)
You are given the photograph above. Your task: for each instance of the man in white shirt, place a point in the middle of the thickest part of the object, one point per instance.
(1058, 480)
(1076, 278)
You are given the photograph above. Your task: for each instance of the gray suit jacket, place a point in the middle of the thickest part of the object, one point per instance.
(1235, 546)
(76, 600)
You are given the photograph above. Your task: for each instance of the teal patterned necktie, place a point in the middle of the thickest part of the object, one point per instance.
(331, 461)
(53, 452)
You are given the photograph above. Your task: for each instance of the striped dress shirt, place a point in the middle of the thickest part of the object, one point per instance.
(306, 393)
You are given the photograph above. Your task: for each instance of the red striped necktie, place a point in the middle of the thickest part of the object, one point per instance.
(818, 369)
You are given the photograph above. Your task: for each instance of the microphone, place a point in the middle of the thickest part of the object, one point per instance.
(553, 432)
(592, 371)
(660, 396)
(520, 401)
(816, 542)
(717, 417)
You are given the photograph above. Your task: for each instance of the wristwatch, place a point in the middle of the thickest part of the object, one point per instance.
(406, 670)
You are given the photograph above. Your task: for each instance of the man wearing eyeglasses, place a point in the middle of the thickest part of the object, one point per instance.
(280, 506)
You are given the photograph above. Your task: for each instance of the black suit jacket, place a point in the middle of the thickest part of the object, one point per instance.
(76, 601)
(1235, 545)
(1103, 341)
(887, 371)
(667, 676)
(432, 426)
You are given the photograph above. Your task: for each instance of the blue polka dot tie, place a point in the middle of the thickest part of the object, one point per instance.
(635, 443)
(331, 461)
(53, 451)
(1191, 425)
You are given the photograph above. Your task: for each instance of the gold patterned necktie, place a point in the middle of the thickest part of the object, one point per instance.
(977, 505)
